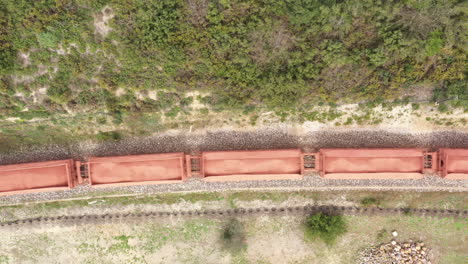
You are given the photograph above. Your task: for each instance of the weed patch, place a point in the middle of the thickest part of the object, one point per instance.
(325, 227)
(367, 201)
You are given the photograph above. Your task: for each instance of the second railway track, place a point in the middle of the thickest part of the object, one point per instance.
(236, 212)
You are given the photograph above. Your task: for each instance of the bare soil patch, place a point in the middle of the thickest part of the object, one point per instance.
(101, 21)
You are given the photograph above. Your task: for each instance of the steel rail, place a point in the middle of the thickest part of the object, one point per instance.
(237, 212)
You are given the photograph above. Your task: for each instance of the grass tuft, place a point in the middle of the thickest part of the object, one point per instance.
(367, 201)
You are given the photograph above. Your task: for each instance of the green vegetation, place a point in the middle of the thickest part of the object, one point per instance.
(370, 201)
(240, 52)
(121, 245)
(324, 226)
(4, 259)
(130, 64)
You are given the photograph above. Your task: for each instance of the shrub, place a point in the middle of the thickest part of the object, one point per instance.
(109, 136)
(59, 94)
(233, 236)
(325, 227)
(117, 117)
(434, 44)
(370, 201)
(173, 112)
(349, 121)
(155, 23)
(48, 40)
(442, 108)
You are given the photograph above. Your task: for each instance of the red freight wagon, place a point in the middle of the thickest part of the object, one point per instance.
(375, 163)
(138, 169)
(38, 176)
(454, 163)
(251, 165)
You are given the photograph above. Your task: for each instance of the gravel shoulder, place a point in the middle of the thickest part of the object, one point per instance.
(311, 182)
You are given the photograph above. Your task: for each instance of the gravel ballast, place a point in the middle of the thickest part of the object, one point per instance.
(277, 137)
(310, 182)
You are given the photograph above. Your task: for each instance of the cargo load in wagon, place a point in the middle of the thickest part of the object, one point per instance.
(375, 163)
(251, 165)
(37, 177)
(136, 169)
(454, 164)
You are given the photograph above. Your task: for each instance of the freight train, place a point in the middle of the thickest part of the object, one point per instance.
(216, 166)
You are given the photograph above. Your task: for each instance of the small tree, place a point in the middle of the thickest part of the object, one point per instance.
(325, 227)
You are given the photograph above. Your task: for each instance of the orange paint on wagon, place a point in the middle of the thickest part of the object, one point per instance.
(454, 164)
(372, 163)
(37, 176)
(138, 169)
(251, 165)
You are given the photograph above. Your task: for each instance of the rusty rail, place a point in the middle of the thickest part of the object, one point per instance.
(236, 212)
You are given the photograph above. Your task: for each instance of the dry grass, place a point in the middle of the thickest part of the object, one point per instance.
(246, 199)
(269, 239)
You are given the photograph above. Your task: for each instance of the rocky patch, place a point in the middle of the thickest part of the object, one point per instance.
(397, 253)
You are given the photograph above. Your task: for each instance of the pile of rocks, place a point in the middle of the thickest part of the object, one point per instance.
(397, 253)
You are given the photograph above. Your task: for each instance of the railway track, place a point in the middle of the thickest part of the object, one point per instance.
(237, 212)
(390, 164)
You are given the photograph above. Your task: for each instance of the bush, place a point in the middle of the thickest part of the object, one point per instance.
(237, 53)
(47, 40)
(434, 44)
(233, 236)
(443, 108)
(370, 201)
(325, 227)
(109, 136)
